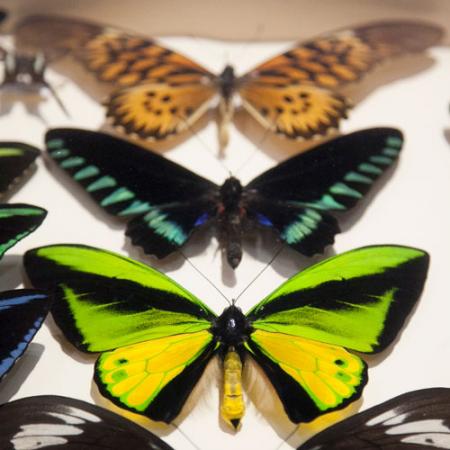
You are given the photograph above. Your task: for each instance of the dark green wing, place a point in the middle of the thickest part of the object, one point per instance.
(16, 222)
(358, 300)
(15, 158)
(156, 333)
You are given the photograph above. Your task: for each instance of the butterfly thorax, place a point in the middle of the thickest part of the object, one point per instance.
(231, 328)
(231, 194)
(227, 80)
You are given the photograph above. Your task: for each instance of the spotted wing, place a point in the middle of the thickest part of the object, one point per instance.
(157, 92)
(294, 94)
(358, 300)
(415, 420)
(164, 201)
(296, 197)
(61, 422)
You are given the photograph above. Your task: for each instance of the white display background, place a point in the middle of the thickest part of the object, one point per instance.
(408, 206)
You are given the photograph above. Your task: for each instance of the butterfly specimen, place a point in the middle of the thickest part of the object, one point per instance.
(156, 338)
(415, 420)
(166, 203)
(158, 92)
(22, 313)
(55, 422)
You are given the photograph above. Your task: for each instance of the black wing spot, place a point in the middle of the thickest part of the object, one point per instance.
(173, 110)
(288, 99)
(264, 111)
(279, 110)
(189, 111)
(166, 98)
(150, 94)
(303, 95)
(158, 112)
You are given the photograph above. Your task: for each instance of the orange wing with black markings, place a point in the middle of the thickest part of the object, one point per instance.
(294, 94)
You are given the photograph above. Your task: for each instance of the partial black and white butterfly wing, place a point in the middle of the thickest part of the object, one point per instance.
(63, 423)
(415, 420)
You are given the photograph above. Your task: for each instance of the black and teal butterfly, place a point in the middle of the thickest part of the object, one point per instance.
(55, 422)
(156, 338)
(167, 203)
(22, 313)
(417, 420)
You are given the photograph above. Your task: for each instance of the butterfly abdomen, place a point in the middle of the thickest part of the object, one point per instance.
(230, 218)
(232, 408)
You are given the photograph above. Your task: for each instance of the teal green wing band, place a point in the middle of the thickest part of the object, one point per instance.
(16, 222)
(358, 300)
(105, 301)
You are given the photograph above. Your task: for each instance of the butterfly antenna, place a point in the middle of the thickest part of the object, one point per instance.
(206, 146)
(267, 133)
(185, 436)
(280, 248)
(287, 437)
(205, 277)
(259, 32)
(57, 99)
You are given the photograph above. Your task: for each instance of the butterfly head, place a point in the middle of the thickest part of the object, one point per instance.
(232, 328)
(227, 80)
(230, 193)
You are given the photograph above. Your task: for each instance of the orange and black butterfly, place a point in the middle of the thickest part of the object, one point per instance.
(158, 93)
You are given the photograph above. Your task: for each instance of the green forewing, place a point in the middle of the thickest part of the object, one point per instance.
(106, 301)
(358, 300)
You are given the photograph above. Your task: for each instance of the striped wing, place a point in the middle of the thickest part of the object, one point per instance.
(296, 197)
(16, 222)
(295, 93)
(61, 422)
(411, 421)
(157, 92)
(164, 201)
(358, 300)
(22, 313)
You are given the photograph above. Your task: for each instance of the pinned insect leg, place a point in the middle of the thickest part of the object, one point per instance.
(232, 408)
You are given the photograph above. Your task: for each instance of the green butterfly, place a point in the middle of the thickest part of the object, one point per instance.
(156, 338)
